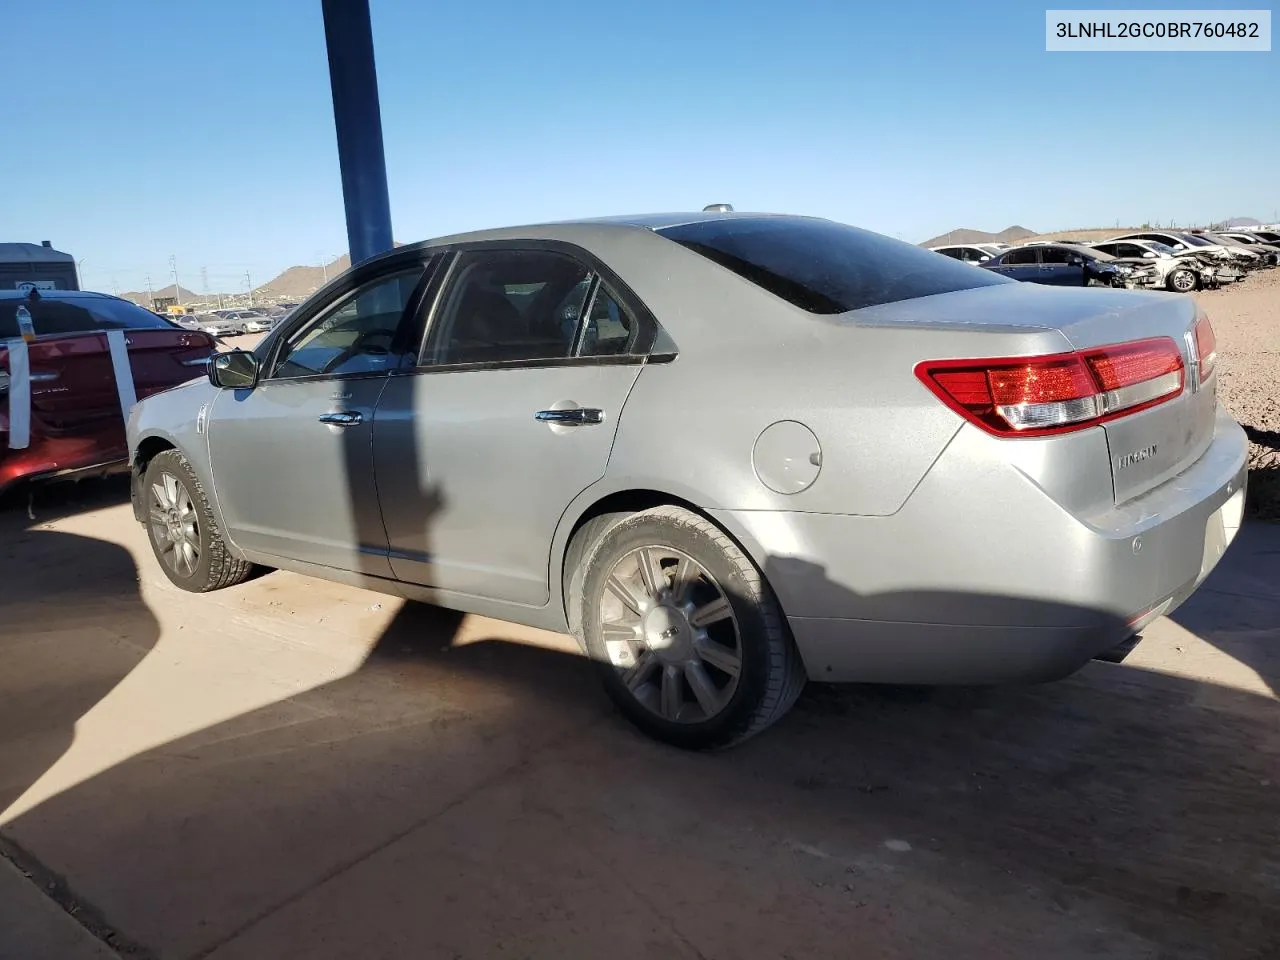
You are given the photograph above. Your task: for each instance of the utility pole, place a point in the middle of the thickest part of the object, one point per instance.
(204, 281)
(173, 268)
(248, 282)
(151, 298)
(325, 260)
(357, 120)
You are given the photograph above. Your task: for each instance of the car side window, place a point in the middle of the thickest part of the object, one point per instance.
(1015, 257)
(1055, 255)
(357, 334)
(610, 330)
(509, 305)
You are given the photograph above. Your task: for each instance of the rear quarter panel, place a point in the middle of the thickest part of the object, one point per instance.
(748, 360)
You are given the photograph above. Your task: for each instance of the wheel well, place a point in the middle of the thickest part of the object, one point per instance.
(626, 501)
(148, 449)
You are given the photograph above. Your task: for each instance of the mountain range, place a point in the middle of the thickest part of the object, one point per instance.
(967, 235)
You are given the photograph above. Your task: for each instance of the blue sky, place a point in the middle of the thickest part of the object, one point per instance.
(145, 129)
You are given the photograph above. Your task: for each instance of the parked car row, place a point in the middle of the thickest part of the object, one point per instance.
(1178, 261)
(234, 323)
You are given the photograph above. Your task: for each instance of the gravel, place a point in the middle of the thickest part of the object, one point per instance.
(1246, 318)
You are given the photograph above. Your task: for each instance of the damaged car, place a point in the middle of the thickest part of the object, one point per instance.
(1070, 265)
(1236, 256)
(1177, 271)
(1269, 251)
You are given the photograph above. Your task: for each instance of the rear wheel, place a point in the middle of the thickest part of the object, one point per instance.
(684, 632)
(1182, 280)
(183, 533)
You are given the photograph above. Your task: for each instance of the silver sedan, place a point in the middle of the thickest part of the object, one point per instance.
(728, 452)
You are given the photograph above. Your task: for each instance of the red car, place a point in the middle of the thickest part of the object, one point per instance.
(76, 421)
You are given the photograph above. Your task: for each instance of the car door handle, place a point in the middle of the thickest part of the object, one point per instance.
(342, 419)
(575, 417)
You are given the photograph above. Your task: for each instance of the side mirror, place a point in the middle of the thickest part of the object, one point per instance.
(1077, 261)
(983, 259)
(1148, 255)
(237, 370)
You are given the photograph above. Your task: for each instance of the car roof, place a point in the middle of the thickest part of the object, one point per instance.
(59, 295)
(587, 228)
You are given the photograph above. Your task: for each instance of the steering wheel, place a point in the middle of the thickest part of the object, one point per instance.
(361, 345)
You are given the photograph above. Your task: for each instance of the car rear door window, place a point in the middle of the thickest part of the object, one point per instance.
(357, 334)
(826, 267)
(509, 306)
(1015, 257)
(1055, 255)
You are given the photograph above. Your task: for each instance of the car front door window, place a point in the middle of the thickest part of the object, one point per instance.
(358, 334)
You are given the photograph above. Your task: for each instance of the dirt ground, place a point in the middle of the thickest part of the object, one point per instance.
(296, 768)
(1246, 318)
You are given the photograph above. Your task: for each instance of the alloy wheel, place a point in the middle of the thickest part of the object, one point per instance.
(175, 526)
(1184, 281)
(669, 630)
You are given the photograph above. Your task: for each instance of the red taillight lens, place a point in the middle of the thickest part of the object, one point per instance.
(1032, 396)
(1206, 347)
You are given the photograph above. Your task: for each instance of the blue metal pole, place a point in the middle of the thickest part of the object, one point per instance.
(353, 78)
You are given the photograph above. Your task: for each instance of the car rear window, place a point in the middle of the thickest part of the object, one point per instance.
(50, 315)
(826, 267)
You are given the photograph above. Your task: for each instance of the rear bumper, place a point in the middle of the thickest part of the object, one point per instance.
(1001, 587)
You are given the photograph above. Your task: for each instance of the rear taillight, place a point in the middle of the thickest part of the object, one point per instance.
(1206, 347)
(1034, 396)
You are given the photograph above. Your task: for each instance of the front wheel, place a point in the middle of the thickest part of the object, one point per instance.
(684, 632)
(1182, 280)
(183, 533)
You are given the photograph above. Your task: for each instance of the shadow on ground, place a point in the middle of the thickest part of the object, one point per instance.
(464, 795)
(72, 625)
(1238, 608)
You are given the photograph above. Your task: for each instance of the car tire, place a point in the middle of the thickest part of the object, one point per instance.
(1182, 280)
(182, 531)
(696, 652)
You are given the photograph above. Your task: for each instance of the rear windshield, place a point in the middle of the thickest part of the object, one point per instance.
(827, 267)
(51, 315)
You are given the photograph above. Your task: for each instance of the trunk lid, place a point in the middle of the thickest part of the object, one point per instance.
(1147, 447)
(73, 384)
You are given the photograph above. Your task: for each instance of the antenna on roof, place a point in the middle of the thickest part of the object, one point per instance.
(718, 208)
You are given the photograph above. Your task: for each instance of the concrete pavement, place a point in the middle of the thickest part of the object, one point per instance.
(33, 925)
(294, 768)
